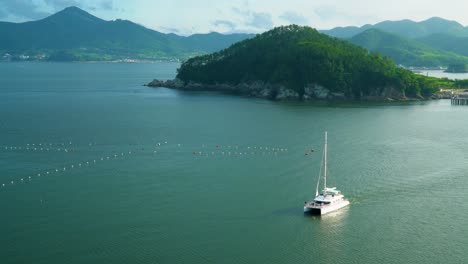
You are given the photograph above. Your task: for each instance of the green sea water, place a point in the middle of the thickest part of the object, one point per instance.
(155, 187)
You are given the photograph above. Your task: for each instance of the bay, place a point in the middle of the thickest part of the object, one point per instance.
(443, 74)
(403, 166)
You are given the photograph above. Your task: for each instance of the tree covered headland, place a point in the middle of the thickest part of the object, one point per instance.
(295, 56)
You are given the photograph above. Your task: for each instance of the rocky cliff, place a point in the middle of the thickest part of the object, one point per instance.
(261, 89)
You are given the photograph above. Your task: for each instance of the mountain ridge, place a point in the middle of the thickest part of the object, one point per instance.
(405, 51)
(447, 42)
(406, 27)
(74, 34)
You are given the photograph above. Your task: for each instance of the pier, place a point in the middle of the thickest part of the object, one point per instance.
(459, 101)
(460, 98)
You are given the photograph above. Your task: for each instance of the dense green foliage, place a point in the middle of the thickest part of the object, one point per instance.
(405, 51)
(296, 56)
(445, 83)
(78, 35)
(459, 84)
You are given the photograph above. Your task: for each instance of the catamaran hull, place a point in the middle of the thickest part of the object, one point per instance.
(312, 211)
(325, 209)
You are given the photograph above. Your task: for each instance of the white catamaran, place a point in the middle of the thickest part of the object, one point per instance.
(330, 199)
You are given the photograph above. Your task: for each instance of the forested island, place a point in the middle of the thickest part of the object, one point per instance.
(295, 62)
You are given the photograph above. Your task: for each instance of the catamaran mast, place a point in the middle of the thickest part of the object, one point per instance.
(325, 166)
(318, 179)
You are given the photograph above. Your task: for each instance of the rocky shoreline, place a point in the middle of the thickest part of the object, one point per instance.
(269, 91)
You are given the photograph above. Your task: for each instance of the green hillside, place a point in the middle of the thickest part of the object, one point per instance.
(406, 28)
(345, 32)
(405, 51)
(296, 57)
(73, 34)
(411, 29)
(447, 42)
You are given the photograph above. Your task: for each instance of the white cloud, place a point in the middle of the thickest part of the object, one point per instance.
(260, 20)
(224, 25)
(188, 16)
(20, 10)
(294, 18)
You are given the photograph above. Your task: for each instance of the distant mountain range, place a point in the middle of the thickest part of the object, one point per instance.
(73, 34)
(433, 42)
(406, 28)
(406, 51)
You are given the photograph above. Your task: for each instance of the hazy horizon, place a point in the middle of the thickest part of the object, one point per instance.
(240, 16)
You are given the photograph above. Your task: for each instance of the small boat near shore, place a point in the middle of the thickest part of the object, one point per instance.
(330, 199)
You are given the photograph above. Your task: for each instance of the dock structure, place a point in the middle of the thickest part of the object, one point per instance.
(459, 101)
(460, 98)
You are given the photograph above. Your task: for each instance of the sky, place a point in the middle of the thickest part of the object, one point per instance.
(185, 17)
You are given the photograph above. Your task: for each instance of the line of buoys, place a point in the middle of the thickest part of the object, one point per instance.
(50, 144)
(38, 149)
(57, 170)
(61, 146)
(161, 148)
(235, 153)
(237, 147)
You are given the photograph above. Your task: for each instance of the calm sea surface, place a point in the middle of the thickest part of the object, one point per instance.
(442, 74)
(105, 186)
